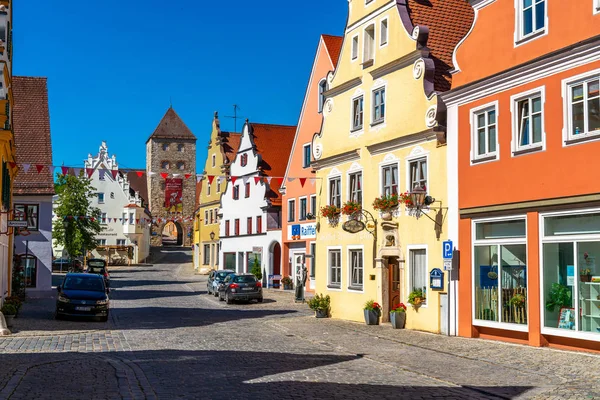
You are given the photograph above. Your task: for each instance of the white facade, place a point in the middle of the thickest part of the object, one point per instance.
(251, 210)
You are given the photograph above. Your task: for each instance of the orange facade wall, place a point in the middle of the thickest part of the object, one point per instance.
(538, 175)
(490, 47)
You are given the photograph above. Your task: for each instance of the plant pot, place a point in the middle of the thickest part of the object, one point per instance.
(398, 319)
(386, 215)
(9, 320)
(321, 313)
(585, 278)
(371, 317)
(287, 287)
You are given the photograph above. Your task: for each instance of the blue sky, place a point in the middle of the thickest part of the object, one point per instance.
(112, 66)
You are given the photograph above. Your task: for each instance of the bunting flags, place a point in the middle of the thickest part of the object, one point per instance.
(114, 173)
(302, 181)
(26, 167)
(233, 179)
(257, 179)
(89, 172)
(186, 175)
(139, 173)
(39, 168)
(210, 179)
(164, 175)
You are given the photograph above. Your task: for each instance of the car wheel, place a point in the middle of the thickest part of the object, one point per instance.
(259, 300)
(220, 297)
(216, 294)
(208, 290)
(227, 299)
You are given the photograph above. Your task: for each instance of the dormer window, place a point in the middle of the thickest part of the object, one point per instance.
(369, 46)
(165, 146)
(165, 165)
(244, 160)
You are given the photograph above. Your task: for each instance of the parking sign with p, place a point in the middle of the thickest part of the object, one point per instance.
(447, 250)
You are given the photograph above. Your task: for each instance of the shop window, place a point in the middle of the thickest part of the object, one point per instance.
(389, 179)
(418, 272)
(206, 255)
(29, 213)
(418, 173)
(335, 192)
(29, 265)
(356, 269)
(500, 271)
(584, 108)
(484, 140)
(335, 268)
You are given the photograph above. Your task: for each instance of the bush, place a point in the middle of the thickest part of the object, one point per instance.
(15, 301)
(9, 309)
(320, 302)
(286, 280)
(256, 270)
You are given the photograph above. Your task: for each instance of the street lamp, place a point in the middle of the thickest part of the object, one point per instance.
(212, 236)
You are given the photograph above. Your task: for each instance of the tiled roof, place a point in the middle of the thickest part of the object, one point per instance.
(172, 127)
(334, 47)
(231, 144)
(139, 184)
(274, 144)
(31, 124)
(448, 21)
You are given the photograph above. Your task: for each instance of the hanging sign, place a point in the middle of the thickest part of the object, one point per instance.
(353, 226)
(174, 195)
(436, 279)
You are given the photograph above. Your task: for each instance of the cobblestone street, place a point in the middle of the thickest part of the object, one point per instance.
(168, 339)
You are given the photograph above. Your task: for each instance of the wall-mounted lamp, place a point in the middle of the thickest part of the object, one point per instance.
(212, 236)
(420, 200)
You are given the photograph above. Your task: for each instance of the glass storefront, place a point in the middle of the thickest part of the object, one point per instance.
(500, 271)
(571, 274)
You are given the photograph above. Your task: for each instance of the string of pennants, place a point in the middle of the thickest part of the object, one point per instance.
(138, 221)
(65, 170)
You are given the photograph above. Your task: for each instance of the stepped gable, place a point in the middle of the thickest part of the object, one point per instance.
(274, 144)
(171, 126)
(231, 144)
(448, 22)
(31, 125)
(334, 47)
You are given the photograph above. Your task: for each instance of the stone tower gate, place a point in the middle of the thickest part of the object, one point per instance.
(171, 150)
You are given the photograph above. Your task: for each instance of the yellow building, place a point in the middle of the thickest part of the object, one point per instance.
(221, 152)
(383, 134)
(7, 147)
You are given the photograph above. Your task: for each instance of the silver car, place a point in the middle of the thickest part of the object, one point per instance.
(216, 277)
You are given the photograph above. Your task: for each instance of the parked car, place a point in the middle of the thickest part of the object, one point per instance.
(61, 265)
(240, 287)
(216, 277)
(98, 266)
(82, 295)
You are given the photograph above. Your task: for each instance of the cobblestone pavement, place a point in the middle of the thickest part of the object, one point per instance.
(168, 339)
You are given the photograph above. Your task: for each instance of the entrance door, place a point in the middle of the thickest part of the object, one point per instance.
(394, 277)
(298, 261)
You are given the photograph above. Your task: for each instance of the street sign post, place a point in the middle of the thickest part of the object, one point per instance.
(447, 265)
(447, 250)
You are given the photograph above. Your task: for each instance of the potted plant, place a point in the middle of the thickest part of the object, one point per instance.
(405, 198)
(287, 283)
(15, 301)
(398, 316)
(9, 312)
(416, 298)
(372, 312)
(351, 209)
(558, 297)
(332, 213)
(386, 205)
(320, 305)
(586, 275)
(518, 300)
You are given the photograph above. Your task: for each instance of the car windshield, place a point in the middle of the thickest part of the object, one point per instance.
(96, 270)
(222, 275)
(83, 283)
(245, 279)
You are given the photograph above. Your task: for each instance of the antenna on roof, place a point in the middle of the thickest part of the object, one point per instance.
(235, 117)
(170, 102)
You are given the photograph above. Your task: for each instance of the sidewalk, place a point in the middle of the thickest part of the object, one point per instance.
(500, 368)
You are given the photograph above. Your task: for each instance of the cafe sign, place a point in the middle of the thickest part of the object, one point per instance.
(353, 226)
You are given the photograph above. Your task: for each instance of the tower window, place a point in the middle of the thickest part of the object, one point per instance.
(165, 165)
(180, 165)
(165, 146)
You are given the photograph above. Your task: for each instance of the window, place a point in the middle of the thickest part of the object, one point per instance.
(335, 192)
(102, 175)
(237, 227)
(29, 213)
(355, 47)
(313, 263)
(356, 269)
(216, 211)
(165, 146)
(529, 122)
(306, 156)
(112, 194)
(120, 242)
(335, 268)
(484, 137)
(418, 271)
(378, 105)
(389, 179)
(218, 185)
(356, 187)
(101, 198)
(259, 224)
(291, 210)
(180, 165)
(249, 226)
(313, 205)
(206, 255)
(418, 173)
(584, 108)
(244, 160)
(29, 265)
(214, 254)
(500, 271)
(383, 32)
(247, 189)
(165, 165)
(226, 228)
(131, 218)
(369, 44)
(211, 217)
(101, 242)
(236, 192)
(357, 113)
(208, 188)
(205, 217)
(103, 218)
(533, 16)
(322, 90)
(124, 219)
(303, 210)
(180, 148)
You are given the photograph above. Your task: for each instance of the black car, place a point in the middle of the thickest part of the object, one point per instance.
(98, 266)
(240, 287)
(82, 295)
(216, 277)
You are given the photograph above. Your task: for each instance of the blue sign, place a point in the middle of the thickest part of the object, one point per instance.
(447, 249)
(296, 230)
(436, 279)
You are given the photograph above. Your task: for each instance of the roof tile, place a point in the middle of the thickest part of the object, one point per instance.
(334, 47)
(171, 126)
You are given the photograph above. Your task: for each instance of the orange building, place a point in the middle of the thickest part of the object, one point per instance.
(523, 144)
(300, 198)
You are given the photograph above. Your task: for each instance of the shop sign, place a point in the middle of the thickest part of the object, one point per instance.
(257, 250)
(302, 231)
(17, 224)
(436, 279)
(353, 226)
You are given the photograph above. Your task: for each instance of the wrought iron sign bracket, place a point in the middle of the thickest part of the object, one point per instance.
(440, 216)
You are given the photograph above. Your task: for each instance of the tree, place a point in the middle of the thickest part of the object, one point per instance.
(77, 222)
(256, 268)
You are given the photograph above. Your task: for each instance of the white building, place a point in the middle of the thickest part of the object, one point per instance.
(250, 213)
(121, 198)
